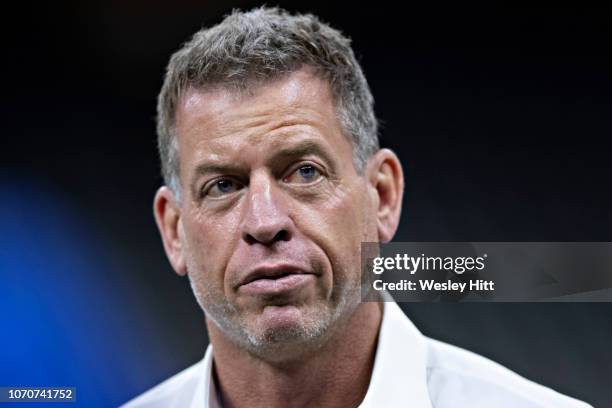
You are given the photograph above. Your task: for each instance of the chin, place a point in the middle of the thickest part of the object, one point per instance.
(279, 330)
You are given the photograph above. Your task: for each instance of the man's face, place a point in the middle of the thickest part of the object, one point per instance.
(273, 211)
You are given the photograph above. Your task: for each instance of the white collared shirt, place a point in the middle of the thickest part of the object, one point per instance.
(410, 370)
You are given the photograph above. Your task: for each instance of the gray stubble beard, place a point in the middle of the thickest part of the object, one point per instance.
(285, 343)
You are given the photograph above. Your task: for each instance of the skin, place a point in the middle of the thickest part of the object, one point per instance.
(268, 185)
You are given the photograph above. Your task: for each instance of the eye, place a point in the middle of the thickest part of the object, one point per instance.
(304, 174)
(221, 187)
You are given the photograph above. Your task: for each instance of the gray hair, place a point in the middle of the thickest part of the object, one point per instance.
(255, 47)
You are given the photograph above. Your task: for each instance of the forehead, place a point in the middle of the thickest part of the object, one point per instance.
(298, 102)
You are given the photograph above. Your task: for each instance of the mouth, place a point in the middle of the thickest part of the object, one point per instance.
(271, 280)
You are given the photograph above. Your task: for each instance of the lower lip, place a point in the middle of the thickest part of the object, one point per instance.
(274, 286)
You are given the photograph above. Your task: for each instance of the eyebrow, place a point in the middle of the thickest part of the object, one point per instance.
(300, 149)
(208, 168)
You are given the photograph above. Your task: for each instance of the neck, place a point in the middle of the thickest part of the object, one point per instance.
(336, 375)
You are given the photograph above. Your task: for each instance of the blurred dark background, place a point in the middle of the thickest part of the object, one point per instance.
(500, 114)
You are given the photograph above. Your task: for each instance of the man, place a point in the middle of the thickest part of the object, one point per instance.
(274, 178)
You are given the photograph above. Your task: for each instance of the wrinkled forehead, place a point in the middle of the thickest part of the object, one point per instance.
(213, 112)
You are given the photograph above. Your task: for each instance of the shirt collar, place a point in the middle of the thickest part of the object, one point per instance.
(399, 375)
(205, 394)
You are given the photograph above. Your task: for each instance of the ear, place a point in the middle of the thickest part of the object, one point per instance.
(387, 181)
(168, 217)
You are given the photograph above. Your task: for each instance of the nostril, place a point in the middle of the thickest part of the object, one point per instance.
(250, 239)
(282, 235)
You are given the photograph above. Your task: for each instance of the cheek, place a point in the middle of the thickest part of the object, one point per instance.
(338, 226)
(209, 243)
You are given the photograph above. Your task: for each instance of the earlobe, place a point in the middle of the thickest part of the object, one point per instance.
(167, 214)
(387, 178)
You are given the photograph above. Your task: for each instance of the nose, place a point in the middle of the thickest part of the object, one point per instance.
(265, 219)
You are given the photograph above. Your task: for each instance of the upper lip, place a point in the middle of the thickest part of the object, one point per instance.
(272, 271)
